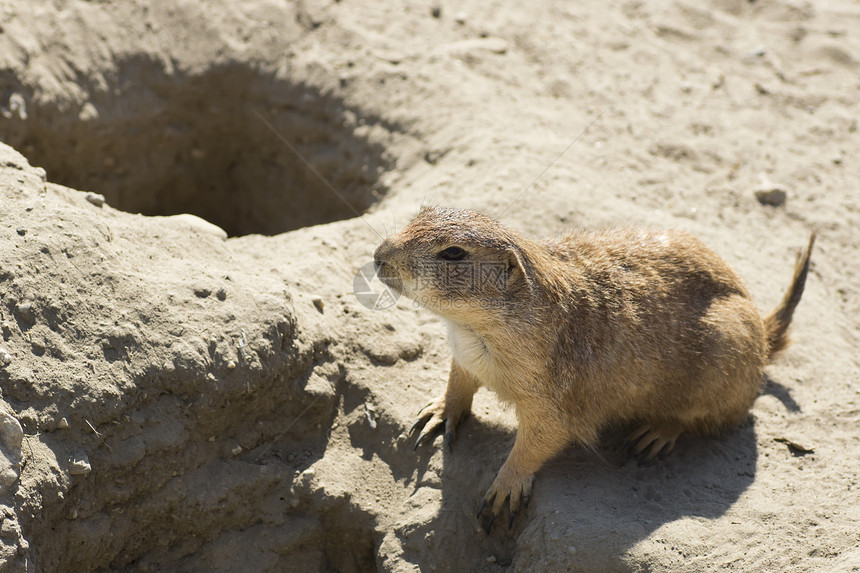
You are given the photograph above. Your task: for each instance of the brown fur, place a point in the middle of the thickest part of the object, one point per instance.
(776, 323)
(586, 331)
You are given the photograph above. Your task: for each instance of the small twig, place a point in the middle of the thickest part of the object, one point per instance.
(96, 432)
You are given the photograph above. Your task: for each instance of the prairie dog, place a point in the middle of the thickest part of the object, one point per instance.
(585, 331)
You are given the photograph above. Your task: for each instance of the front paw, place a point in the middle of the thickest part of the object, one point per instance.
(441, 413)
(510, 486)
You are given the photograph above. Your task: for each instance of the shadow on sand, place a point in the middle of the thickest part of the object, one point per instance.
(587, 510)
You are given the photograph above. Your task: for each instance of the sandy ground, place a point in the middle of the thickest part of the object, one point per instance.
(173, 399)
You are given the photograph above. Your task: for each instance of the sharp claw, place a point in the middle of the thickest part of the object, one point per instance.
(449, 440)
(421, 437)
(427, 405)
(490, 523)
(481, 509)
(511, 520)
(427, 434)
(420, 422)
(636, 435)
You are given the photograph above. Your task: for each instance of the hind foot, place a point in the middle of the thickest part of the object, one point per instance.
(654, 440)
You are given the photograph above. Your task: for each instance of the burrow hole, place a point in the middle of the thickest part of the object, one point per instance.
(210, 144)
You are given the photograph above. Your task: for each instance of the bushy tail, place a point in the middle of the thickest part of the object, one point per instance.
(776, 323)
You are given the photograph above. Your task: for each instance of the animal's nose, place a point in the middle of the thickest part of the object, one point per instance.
(379, 255)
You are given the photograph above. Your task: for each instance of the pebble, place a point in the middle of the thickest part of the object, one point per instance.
(21, 231)
(62, 424)
(80, 467)
(11, 439)
(88, 112)
(236, 450)
(17, 105)
(769, 193)
(460, 18)
(96, 199)
(318, 303)
(370, 414)
(5, 357)
(198, 225)
(756, 52)
(25, 311)
(773, 196)
(11, 434)
(432, 157)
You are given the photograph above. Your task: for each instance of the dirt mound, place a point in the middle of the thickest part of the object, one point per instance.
(196, 388)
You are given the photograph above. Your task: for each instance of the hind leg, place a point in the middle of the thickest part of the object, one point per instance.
(716, 387)
(654, 439)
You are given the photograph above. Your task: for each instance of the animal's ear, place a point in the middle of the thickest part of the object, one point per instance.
(516, 270)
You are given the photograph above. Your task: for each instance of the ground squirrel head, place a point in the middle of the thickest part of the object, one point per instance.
(454, 262)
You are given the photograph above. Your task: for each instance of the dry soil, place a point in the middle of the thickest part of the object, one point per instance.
(188, 382)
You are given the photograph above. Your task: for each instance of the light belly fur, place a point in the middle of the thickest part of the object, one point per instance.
(474, 355)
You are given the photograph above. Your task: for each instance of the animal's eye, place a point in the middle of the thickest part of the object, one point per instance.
(452, 254)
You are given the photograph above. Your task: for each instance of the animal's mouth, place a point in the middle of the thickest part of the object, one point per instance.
(389, 276)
